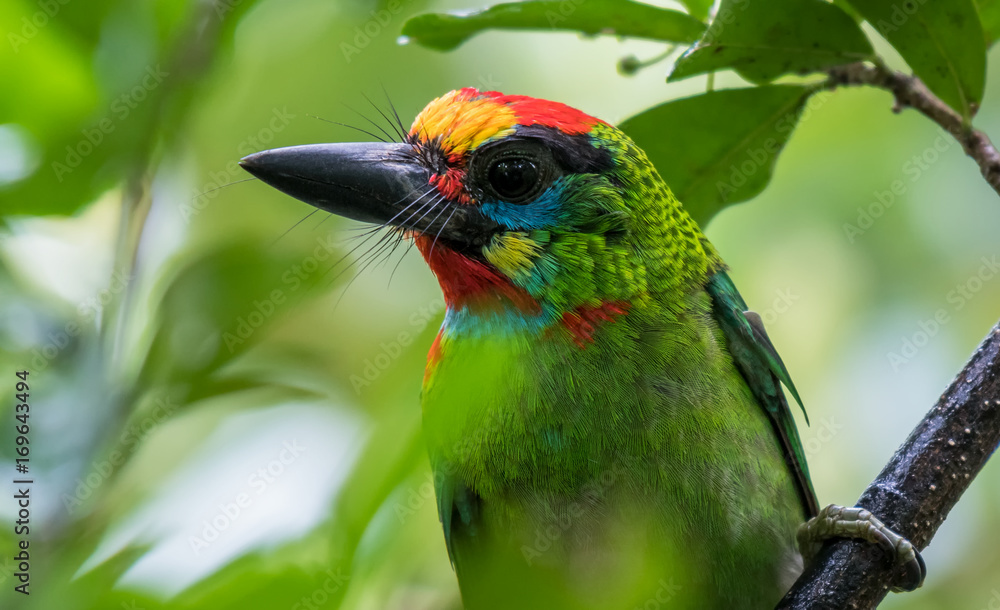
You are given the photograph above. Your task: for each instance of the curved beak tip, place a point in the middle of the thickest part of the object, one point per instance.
(275, 167)
(252, 162)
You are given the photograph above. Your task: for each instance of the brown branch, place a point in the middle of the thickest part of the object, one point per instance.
(910, 91)
(917, 488)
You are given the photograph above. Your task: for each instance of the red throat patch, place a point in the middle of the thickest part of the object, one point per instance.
(469, 283)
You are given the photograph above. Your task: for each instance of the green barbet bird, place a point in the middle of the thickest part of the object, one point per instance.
(604, 417)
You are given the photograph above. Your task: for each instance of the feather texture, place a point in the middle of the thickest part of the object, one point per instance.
(605, 419)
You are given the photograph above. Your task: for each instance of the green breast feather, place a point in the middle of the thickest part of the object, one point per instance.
(755, 359)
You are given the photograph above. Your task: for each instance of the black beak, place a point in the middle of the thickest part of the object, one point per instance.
(381, 183)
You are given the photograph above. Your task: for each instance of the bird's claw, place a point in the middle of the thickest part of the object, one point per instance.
(841, 522)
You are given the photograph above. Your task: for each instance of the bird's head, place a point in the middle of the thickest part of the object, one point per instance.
(520, 206)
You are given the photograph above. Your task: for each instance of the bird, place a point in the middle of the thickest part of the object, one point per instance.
(603, 414)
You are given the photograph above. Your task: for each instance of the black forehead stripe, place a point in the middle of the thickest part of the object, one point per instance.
(576, 153)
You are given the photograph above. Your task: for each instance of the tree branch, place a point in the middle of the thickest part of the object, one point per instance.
(910, 91)
(917, 488)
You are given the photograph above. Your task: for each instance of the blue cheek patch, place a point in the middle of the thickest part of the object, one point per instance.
(542, 213)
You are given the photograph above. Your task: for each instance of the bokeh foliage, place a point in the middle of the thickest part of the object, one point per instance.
(170, 323)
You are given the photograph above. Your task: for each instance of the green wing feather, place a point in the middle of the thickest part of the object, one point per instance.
(458, 509)
(764, 372)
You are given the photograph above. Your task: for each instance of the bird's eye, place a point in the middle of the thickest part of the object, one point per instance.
(514, 171)
(512, 179)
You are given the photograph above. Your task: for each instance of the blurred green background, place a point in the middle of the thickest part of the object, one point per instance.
(225, 413)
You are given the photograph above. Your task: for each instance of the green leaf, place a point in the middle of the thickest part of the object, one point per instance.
(989, 18)
(764, 40)
(96, 117)
(942, 41)
(446, 31)
(219, 305)
(718, 148)
(847, 8)
(698, 8)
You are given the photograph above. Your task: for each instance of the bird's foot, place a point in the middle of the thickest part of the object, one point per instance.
(840, 522)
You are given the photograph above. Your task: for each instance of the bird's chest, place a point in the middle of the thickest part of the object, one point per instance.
(500, 414)
(585, 458)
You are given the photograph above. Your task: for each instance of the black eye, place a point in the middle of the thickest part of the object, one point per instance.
(512, 179)
(512, 171)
